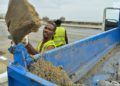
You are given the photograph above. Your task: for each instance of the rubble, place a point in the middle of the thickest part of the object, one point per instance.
(46, 70)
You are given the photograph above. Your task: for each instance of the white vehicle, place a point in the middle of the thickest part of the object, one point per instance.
(110, 18)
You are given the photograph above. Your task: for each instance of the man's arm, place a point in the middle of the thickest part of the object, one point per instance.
(50, 47)
(31, 50)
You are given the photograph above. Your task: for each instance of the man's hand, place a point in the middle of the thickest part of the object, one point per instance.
(12, 49)
(36, 57)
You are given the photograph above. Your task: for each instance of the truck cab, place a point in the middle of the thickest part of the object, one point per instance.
(110, 18)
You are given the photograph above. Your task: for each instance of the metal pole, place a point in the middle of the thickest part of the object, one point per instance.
(119, 20)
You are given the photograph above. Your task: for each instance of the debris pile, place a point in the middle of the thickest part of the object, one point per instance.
(21, 19)
(46, 70)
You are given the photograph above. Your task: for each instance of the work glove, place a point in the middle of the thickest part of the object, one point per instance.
(25, 40)
(36, 57)
(11, 49)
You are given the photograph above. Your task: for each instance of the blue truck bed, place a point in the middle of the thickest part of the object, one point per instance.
(76, 59)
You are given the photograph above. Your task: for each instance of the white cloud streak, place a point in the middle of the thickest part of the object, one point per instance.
(81, 10)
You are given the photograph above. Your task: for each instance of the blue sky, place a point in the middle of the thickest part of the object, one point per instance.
(80, 10)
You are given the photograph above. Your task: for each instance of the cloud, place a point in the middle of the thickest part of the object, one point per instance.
(81, 10)
(116, 4)
(3, 6)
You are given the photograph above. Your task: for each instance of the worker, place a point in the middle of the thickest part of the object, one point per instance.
(47, 42)
(60, 37)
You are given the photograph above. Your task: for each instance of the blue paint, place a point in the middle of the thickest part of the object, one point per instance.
(18, 76)
(21, 55)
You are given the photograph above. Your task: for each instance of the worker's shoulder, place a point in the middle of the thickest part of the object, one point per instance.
(61, 27)
(50, 42)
